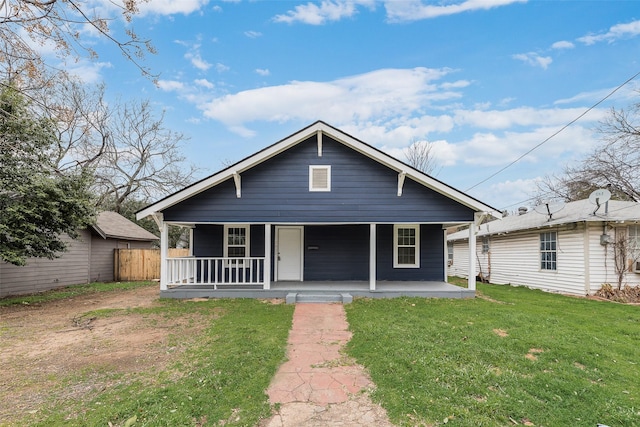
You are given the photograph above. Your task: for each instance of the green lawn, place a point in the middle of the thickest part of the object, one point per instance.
(513, 356)
(219, 379)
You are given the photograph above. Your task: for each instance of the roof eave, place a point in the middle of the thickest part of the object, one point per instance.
(296, 138)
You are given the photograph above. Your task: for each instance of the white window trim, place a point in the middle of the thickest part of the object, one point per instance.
(319, 167)
(396, 227)
(541, 251)
(247, 239)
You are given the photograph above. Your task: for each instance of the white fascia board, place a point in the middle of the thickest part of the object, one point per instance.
(227, 173)
(298, 137)
(414, 174)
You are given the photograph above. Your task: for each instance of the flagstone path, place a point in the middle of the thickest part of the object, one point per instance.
(319, 385)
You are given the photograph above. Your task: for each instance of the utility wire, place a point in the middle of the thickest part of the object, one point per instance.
(556, 133)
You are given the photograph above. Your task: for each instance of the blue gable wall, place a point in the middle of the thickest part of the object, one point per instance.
(277, 190)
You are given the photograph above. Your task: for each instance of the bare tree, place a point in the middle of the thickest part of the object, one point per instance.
(62, 26)
(142, 157)
(614, 165)
(420, 155)
(625, 254)
(125, 146)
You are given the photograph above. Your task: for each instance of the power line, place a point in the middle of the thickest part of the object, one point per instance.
(556, 133)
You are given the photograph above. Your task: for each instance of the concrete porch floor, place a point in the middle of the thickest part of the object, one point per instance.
(384, 289)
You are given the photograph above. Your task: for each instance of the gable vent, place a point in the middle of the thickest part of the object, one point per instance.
(319, 178)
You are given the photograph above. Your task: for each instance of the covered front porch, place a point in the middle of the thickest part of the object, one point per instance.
(345, 289)
(281, 260)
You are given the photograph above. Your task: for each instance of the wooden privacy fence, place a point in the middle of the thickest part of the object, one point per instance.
(140, 264)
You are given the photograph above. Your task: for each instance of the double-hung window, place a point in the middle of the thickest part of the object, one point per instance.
(634, 240)
(548, 250)
(236, 243)
(406, 246)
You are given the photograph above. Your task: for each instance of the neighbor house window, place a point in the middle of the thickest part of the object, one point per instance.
(236, 242)
(406, 247)
(319, 178)
(548, 250)
(485, 245)
(450, 253)
(634, 237)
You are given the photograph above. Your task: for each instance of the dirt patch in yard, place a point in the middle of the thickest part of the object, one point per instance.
(45, 345)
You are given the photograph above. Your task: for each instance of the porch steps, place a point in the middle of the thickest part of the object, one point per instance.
(308, 297)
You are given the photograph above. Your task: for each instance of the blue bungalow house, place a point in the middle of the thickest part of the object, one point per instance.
(317, 212)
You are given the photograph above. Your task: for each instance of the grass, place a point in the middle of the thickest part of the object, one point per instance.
(512, 357)
(220, 378)
(69, 292)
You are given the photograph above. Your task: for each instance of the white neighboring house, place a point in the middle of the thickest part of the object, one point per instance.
(573, 252)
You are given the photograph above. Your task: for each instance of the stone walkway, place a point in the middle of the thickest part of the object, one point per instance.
(319, 386)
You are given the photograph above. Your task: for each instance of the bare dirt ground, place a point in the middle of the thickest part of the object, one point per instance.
(46, 344)
(59, 350)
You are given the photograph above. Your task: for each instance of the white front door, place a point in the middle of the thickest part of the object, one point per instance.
(289, 261)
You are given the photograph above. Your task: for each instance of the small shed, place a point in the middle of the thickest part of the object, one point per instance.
(574, 250)
(88, 258)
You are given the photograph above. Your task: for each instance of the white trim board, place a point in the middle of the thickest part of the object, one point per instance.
(302, 135)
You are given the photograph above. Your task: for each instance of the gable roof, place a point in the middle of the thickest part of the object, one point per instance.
(578, 211)
(112, 225)
(318, 128)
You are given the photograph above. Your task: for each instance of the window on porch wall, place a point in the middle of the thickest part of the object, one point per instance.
(236, 243)
(406, 247)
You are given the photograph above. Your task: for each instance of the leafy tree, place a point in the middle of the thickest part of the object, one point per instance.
(38, 204)
(614, 165)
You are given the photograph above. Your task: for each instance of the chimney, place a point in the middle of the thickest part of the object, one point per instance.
(522, 210)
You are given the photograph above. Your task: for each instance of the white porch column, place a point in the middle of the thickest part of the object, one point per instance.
(267, 256)
(446, 255)
(164, 251)
(472, 256)
(372, 257)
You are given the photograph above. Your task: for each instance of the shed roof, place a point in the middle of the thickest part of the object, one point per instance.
(578, 211)
(112, 225)
(319, 128)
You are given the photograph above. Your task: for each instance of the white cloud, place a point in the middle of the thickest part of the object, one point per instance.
(171, 7)
(503, 194)
(87, 71)
(263, 71)
(534, 59)
(378, 95)
(253, 34)
(170, 85)
(563, 44)
(197, 61)
(204, 83)
(625, 94)
(414, 10)
(221, 68)
(619, 31)
(522, 116)
(327, 11)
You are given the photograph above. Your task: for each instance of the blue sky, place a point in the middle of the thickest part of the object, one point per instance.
(484, 81)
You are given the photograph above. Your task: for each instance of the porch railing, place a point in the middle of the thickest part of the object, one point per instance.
(215, 271)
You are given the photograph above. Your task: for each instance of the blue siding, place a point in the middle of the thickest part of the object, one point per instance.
(339, 252)
(208, 240)
(277, 191)
(431, 255)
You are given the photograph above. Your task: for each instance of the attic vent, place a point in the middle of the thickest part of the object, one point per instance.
(319, 178)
